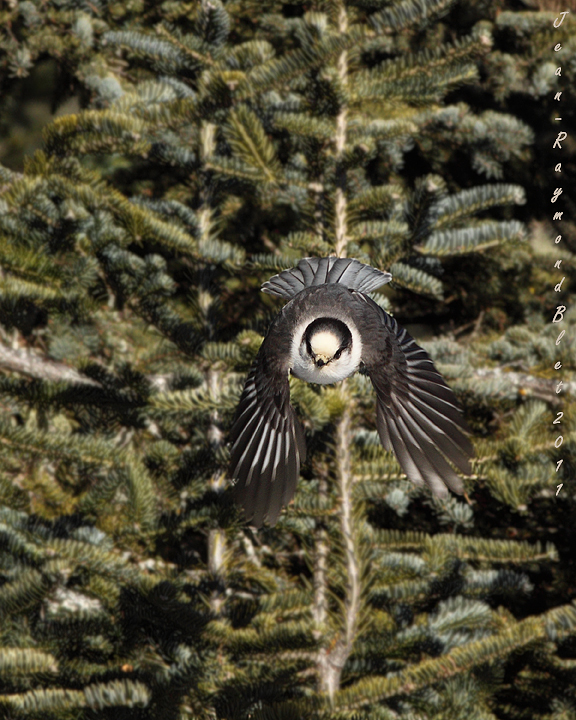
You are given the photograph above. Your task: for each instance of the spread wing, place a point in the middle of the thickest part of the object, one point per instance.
(327, 270)
(418, 416)
(267, 441)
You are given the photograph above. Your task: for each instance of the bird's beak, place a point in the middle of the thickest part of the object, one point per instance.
(320, 360)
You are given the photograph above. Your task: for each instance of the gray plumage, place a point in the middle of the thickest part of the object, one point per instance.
(319, 271)
(327, 331)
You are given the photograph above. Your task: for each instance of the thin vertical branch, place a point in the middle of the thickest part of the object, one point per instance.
(320, 607)
(318, 190)
(216, 536)
(207, 147)
(341, 228)
(332, 661)
(345, 479)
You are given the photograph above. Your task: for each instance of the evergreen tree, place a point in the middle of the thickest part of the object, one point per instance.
(217, 144)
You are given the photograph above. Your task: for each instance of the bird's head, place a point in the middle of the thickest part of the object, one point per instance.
(324, 346)
(327, 345)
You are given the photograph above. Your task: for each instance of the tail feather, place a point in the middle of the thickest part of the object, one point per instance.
(319, 271)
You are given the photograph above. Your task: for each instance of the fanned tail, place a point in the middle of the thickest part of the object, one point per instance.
(318, 271)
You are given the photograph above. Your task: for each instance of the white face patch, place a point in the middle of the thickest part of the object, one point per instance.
(304, 367)
(324, 344)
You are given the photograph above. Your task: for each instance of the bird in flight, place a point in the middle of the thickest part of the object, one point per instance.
(330, 329)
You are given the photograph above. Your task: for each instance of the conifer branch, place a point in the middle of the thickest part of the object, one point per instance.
(30, 363)
(27, 362)
(558, 622)
(204, 59)
(527, 385)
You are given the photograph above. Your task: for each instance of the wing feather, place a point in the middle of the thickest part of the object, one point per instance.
(436, 467)
(417, 413)
(277, 499)
(267, 441)
(449, 437)
(403, 455)
(319, 271)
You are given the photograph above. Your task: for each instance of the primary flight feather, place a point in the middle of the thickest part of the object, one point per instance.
(330, 329)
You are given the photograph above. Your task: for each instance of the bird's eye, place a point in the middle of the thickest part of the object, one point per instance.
(337, 354)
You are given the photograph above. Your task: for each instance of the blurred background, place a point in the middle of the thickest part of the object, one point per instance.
(158, 162)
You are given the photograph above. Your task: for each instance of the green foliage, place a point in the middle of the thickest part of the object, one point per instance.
(214, 144)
